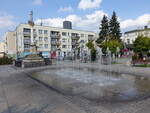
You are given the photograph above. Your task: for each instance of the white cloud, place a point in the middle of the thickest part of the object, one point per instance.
(38, 2)
(55, 22)
(89, 22)
(6, 21)
(135, 23)
(87, 4)
(66, 9)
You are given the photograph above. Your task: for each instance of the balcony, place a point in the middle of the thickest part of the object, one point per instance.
(76, 37)
(53, 48)
(27, 33)
(53, 42)
(56, 36)
(27, 42)
(74, 42)
(35, 34)
(90, 37)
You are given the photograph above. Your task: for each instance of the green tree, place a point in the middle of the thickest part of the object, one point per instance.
(90, 45)
(112, 45)
(141, 45)
(114, 27)
(104, 29)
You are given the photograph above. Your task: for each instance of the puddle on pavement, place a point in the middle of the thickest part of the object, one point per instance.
(97, 85)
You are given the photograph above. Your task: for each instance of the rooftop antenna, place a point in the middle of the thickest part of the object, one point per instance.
(41, 22)
(148, 24)
(31, 18)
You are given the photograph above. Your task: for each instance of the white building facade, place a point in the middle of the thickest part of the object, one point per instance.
(50, 39)
(130, 36)
(10, 42)
(2, 49)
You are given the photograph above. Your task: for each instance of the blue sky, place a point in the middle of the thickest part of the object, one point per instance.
(85, 14)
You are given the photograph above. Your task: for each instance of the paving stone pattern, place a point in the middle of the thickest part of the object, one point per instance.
(21, 94)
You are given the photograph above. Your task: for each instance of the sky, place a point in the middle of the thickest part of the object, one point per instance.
(84, 14)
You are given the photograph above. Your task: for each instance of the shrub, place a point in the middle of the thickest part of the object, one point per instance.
(135, 57)
(5, 60)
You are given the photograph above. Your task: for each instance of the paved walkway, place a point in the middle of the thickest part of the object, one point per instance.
(20, 94)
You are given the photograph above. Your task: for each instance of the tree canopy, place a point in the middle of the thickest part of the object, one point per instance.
(112, 45)
(114, 25)
(109, 29)
(104, 29)
(141, 45)
(90, 44)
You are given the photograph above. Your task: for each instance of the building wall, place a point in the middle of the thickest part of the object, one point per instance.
(47, 38)
(10, 40)
(2, 49)
(130, 37)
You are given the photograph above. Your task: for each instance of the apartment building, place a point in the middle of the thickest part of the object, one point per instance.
(10, 41)
(130, 36)
(50, 39)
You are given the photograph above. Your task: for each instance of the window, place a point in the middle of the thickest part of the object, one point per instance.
(26, 46)
(46, 45)
(40, 38)
(53, 48)
(41, 45)
(26, 41)
(34, 38)
(27, 30)
(90, 37)
(46, 39)
(53, 39)
(45, 32)
(64, 40)
(128, 41)
(74, 34)
(34, 30)
(82, 35)
(82, 41)
(64, 46)
(40, 31)
(64, 34)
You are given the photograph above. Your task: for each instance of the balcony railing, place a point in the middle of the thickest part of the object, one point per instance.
(27, 33)
(27, 42)
(74, 42)
(57, 36)
(53, 42)
(75, 37)
(35, 34)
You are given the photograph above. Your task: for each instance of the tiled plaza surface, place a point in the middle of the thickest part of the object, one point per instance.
(21, 94)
